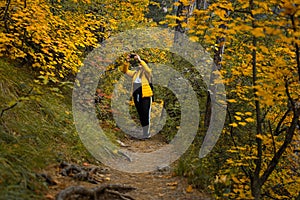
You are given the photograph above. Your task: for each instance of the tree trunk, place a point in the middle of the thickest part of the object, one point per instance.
(256, 189)
(219, 50)
(201, 4)
(255, 182)
(181, 11)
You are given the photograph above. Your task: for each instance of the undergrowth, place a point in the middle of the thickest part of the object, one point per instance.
(36, 130)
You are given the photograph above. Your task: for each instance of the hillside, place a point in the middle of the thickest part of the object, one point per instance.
(36, 129)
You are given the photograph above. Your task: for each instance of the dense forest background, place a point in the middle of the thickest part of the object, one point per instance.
(254, 45)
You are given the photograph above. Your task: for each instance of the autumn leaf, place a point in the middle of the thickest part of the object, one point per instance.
(231, 100)
(259, 136)
(239, 113)
(248, 113)
(238, 118)
(233, 124)
(242, 123)
(249, 120)
(189, 189)
(258, 32)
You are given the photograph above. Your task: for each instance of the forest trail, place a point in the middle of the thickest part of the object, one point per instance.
(161, 184)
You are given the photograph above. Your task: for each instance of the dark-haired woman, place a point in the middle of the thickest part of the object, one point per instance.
(141, 90)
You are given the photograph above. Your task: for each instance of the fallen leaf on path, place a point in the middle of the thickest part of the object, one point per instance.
(172, 184)
(160, 194)
(189, 189)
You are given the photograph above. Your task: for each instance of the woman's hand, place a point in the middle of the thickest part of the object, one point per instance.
(137, 57)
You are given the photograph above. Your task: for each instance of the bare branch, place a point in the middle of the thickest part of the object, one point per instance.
(288, 138)
(12, 106)
(8, 108)
(277, 130)
(273, 140)
(278, 154)
(6, 10)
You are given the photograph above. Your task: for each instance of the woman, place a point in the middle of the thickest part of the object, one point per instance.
(142, 92)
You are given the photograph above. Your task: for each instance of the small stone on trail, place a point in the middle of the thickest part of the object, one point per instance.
(163, 168)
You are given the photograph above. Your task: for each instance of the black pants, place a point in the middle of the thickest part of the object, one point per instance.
(143, 105)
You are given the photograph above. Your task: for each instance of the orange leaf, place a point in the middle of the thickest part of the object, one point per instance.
(189, 189)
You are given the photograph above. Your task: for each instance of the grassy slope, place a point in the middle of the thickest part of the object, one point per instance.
(36, 132)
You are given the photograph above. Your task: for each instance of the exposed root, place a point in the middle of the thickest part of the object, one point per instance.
(89, 174)
(107, 192)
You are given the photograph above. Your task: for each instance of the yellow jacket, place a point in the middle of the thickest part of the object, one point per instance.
(145, 73)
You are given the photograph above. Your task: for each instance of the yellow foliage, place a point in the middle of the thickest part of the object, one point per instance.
(55, 45)
(55, 39)
(238, 118)
(264, 40)
(231, 100)
(194, 38)
(233, 124)
(249, 120)
(259, 136)
(242, 123)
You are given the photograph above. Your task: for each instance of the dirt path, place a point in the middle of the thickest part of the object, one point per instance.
(161, 184)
